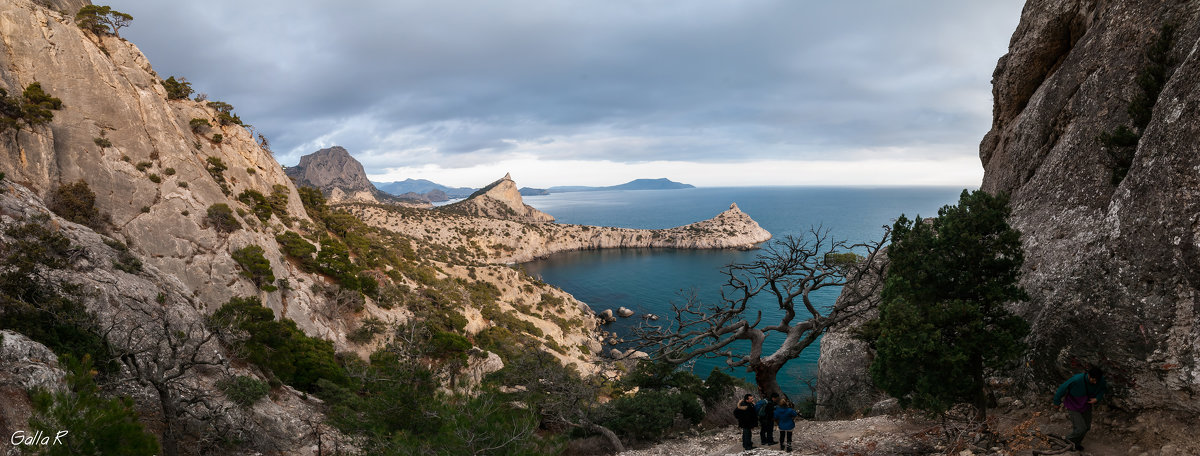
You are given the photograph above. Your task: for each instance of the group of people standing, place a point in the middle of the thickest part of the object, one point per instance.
(766, 414)
(1077, 396)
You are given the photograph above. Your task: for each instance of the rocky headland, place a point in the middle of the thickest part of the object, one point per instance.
(502, 240)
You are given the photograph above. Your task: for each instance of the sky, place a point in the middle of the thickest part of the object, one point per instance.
(600, 92)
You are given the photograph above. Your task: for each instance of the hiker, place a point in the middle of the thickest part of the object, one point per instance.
(746, 419)
(785, 415)
(1078, 395)
(766, 419)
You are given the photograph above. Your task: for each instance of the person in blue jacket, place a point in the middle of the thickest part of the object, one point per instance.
(785, 417)
(1078, 395)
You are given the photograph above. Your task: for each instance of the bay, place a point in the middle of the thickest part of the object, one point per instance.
(649, 280)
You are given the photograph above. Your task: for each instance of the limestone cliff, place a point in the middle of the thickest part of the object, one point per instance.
(342, 178)
(1112, 251)
(501, 200)
(1112, 269)
(155, 176)
(157, 170)
(496, 240)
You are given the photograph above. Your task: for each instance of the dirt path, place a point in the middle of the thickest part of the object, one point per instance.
(887, 436)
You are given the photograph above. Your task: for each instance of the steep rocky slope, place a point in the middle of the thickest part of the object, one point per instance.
(158, 171)
(342, 178)
(1112, 252)
(495, 240)
(500, 199)
(154, 179)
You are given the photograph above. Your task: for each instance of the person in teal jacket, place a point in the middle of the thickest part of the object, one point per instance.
(1078, 395)
(785, 416)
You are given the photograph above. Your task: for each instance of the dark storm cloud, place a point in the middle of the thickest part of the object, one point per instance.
(462, 82)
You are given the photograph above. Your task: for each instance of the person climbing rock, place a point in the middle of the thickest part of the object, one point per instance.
(1078, 395)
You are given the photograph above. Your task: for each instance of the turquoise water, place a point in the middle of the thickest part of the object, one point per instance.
(648, 280)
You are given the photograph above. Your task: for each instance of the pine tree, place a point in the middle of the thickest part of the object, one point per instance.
(942, 320)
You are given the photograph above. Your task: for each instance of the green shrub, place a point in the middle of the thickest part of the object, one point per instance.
(648, 415)
(96, 425)
(251, 171)
(278, 346)
(298, 249)
(448, 345)
(334, 260)
(197, 124)
(169, 171)
(221, 218)
(102, 142)
(76, 202)
(34, 107)
(278, 202)
(257, 203)
(243, 390)
(255, 267)
(38, 106)
(225, 115)
(125, 261)
(143, 166)
(155, 178)
(367, 331)
(177, 89)
(217, 138)
(102, 20)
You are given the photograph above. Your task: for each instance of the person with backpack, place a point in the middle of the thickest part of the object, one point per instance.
(786, 415)
(1078, 395)
(747, 419)
(766, 419)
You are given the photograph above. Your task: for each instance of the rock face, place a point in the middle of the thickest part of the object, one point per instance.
(500, 199)
(341, 178)
(24, 365)
(109, 91)
(1112, 270)
(1112, 266)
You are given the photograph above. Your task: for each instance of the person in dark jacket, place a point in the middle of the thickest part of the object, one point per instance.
(1078, 395)
(747, 418)
(786, 415)
(766, 419)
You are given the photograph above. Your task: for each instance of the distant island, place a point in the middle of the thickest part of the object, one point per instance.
(661, 183)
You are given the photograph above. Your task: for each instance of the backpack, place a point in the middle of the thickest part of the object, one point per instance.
(761, 407)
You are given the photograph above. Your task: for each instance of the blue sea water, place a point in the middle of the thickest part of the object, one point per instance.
(649, 280)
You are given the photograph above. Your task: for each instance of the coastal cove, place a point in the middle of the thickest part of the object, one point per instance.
(647, 280)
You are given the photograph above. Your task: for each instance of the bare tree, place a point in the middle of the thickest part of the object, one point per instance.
(788, 272)
(166, 353)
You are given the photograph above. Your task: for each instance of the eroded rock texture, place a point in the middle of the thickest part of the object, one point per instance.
(1112, 266)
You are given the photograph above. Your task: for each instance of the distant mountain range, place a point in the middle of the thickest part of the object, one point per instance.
(417, 187)
(432, 190)
(661, 183)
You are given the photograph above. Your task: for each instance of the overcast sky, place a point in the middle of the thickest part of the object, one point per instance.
(712, 93)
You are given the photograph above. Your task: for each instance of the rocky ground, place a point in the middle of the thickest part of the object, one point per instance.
(901, 435)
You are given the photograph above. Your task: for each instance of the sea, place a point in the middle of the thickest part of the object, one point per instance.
(650, 280)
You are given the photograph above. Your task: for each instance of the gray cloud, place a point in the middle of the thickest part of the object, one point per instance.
(458, 83)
